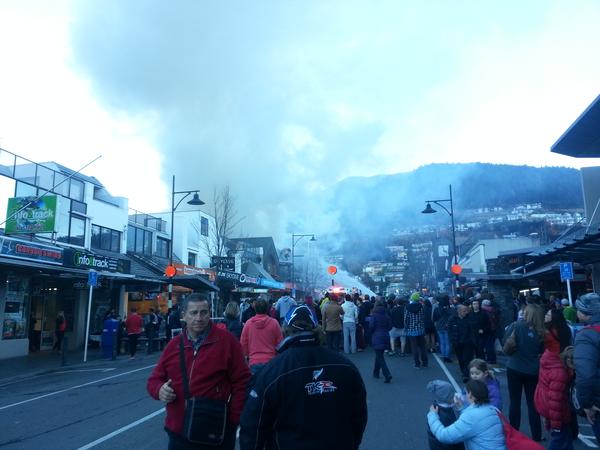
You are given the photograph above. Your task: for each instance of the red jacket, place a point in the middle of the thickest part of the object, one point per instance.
(216, 371)
(551, 393)
(260, 337)
(134, 324)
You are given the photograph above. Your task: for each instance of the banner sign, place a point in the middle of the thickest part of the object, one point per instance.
(184, 269)
(30, 215)
(30, 251)
(223, 263)
(86, 260)
(246, 279)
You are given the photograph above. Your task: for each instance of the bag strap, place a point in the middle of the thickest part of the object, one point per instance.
(186, 387)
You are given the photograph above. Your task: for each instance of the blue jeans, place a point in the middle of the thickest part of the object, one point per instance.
(333, 340)
(561, 439)
(349, 337)
(444, 343)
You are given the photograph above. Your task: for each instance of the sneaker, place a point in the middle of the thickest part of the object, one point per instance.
(416, 367)
(391, 353)
(388, 379)
(375, 375)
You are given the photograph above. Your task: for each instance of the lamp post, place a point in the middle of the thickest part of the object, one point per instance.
(429, 210)
(295, 239)
(195, 201)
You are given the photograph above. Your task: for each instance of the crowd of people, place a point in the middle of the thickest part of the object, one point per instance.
(270, 360)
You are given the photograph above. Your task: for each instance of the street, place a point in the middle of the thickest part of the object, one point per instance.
(105, 406)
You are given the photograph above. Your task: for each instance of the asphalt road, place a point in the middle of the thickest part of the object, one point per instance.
(106, 406)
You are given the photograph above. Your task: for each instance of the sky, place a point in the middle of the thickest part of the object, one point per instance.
(281, 100)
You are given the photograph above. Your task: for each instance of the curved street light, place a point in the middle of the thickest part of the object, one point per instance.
(295, 239)
(195, 201)
(429, 210)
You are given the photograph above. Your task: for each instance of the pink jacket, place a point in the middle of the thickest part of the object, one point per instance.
(260, 337)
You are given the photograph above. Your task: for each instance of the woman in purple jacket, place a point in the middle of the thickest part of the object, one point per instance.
(380, 324)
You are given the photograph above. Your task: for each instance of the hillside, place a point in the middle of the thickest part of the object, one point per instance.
(372, 205)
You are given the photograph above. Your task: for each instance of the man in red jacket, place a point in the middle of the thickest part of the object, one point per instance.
(134, 325)
(215, 368)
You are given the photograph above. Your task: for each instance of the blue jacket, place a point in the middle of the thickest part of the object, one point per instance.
(587, 364)
(380, 325)
(478, 426)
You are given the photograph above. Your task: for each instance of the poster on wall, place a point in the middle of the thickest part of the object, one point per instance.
(30, 215)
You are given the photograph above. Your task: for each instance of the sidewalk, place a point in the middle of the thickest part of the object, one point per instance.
(38, 363)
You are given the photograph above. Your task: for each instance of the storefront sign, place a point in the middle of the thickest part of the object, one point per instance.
(184, 269)
(31, 215)
(30, 251)
(86, 260)
(233, 276)
(246, 279)
(223, 263)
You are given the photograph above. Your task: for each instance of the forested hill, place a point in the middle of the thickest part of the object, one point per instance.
(373, 204)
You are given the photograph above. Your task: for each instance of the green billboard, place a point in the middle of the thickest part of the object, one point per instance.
(28, 215)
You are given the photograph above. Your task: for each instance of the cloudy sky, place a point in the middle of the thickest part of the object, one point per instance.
(281, 99)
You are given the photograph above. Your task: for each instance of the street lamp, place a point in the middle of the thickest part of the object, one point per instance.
(295, 239)
(429, 210)
(195, 201)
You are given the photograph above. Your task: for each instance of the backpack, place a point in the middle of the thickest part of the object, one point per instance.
(515, 440)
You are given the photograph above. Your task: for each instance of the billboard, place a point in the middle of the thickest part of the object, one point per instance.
(30, 215)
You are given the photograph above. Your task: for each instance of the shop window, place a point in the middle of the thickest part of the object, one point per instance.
(115, 241)
(162, 247)
(77, 231)
(106, 239)
(203, 226)
(147, 243)
(25, 190)
(77, 190)
(15, 324)
(138, 240)
(191, 259)
(78, 207)
(131, 238)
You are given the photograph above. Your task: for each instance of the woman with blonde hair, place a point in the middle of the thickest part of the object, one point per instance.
(231, 319)
(524, 345)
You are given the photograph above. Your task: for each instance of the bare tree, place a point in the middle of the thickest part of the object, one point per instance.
(224, 222)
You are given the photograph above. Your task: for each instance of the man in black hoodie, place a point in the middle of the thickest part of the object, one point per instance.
(462, 338)
(480, 323)
(304, 381)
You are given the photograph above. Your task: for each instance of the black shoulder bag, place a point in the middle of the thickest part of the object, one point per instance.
(205, 418)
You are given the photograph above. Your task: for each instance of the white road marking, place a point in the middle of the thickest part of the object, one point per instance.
(74, 387)
(87, 370)
(447, 372)
(122, 429)
(587, 440)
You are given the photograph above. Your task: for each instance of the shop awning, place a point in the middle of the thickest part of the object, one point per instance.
(256, 270)
(580, 247)
(194, 282)
(582, 138)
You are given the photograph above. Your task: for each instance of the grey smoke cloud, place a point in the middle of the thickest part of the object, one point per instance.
(280, 100)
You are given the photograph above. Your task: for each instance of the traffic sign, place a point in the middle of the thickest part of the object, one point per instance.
(566, 271)
(92, 278)
(170, 271)
(456, 269)
(332, 270)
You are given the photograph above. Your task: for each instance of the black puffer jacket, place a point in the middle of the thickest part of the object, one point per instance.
(305, 385)
(460, 330)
